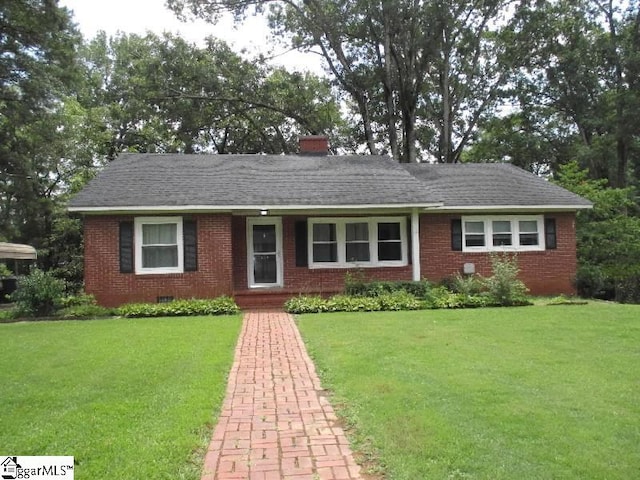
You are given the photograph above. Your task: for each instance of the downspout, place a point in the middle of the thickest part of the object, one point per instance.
(415, 244)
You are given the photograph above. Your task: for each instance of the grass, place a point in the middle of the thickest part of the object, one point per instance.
(127, 398)
(503, 393)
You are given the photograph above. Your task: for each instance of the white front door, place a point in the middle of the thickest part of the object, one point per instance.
(264, 251)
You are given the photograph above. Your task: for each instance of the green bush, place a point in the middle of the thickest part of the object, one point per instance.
(628, 290)
(503, 287)
(306, 304)
(468, 285)
(83, 311)
(215, 306)
(398, 300)
(359, 288)
(38, 294)
(77, 300)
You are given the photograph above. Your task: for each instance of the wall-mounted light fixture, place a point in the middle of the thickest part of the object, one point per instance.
(264, 212)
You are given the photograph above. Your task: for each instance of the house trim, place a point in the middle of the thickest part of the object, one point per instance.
(251, 209)
(415, 245)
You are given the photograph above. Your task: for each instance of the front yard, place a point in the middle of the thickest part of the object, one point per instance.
(498, 393)
(129, 398)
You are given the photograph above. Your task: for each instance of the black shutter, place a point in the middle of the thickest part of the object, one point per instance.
(456, 235)
(550, 234)
(126, 247)
(190, 239)
(302, 259)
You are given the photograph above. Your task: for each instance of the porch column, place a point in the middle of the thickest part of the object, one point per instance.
(415, 244)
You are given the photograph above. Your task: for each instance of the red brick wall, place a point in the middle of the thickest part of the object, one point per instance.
(545, 272)
(112, 288)
(222, 261)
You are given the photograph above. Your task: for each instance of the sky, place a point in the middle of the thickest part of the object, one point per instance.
(140, 16)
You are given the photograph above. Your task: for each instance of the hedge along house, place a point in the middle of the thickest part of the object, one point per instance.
(263, 228)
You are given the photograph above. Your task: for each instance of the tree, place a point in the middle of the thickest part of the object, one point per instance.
(578, 95)
(37, 68)
(161, 94)
(608, 237)
(420, 74)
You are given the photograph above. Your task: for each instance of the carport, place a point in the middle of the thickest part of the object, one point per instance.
(13, 255)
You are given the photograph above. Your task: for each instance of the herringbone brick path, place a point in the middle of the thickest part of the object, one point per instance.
(275, 423)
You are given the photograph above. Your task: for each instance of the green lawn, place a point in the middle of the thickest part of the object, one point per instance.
(529, 393)
(128, 398)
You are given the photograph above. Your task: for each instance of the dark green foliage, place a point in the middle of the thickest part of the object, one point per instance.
(83, 311)
(393, 301)
(38, 294)
(355, 284)
(608, 237)
(215, 306)
(503, 287)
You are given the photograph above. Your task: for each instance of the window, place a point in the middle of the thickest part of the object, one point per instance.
(325, 243)
(366, 242)
(357, 242)
(389, 242)
(505, 233)
(159, 245)
(474, 234)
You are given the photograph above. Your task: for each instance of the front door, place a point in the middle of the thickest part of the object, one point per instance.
(264, 249)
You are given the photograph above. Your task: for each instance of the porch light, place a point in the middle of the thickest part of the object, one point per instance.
(264, 212)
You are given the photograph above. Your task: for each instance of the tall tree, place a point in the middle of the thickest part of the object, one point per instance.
(37, 68)
(579, 94)
(163, 94)
(420, 74)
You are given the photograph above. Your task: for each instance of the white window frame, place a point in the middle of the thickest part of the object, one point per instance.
(138, 223)
(341, 238)
(515, 233)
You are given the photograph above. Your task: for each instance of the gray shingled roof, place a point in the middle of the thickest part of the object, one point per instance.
(495, 184)
(170, 180)
(244, 181)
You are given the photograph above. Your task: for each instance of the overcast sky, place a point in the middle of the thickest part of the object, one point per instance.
(139, 16)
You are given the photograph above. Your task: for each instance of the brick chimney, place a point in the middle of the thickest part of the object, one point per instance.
(314, 145)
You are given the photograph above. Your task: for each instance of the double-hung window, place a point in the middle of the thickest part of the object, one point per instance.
(503, 233)
(362, 242)
(159, 245)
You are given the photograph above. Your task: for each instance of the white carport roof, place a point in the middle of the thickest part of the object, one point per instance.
(17, 251)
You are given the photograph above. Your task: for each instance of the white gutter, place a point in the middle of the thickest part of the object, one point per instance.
(231, 208)
(508, 208)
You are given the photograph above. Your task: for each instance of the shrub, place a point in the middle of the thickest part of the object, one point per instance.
(38, 294)
(4, 270)
(77, 300)
(84, 311)
(356, 287)
(467, 285)
(399, 300)
(628, 290)
(503, 287)
(216, 306)
(306, 304)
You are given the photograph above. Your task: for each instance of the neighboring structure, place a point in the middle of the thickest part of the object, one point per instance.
(266, 227)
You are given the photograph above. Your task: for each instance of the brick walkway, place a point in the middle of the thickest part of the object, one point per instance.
(275, 423)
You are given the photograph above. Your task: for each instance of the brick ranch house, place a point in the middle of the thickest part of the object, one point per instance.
(263, 228)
